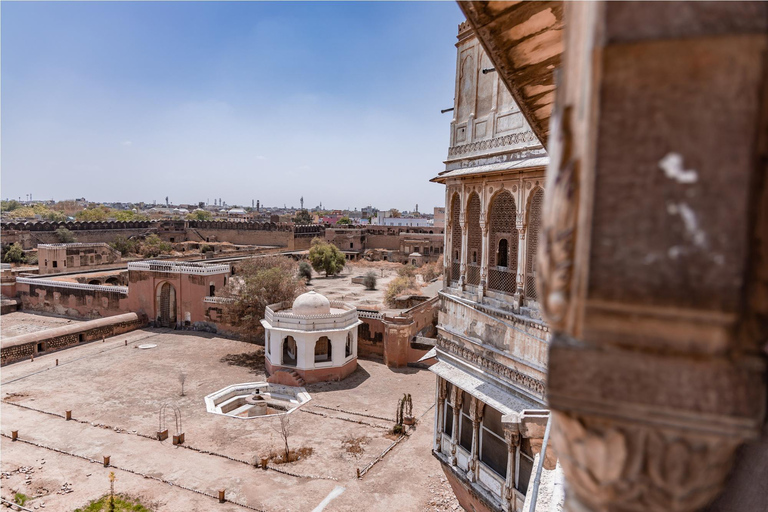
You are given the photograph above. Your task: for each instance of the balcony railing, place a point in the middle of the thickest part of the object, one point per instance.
(473, 274)
(455, 271)
(502, 279)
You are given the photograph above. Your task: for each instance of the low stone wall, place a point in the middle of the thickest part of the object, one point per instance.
(31, 344)
(72, 299)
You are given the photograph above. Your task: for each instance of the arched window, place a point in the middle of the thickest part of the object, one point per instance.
(212, 290)
(348, 347)
(289, 351)
(502, 262)
(502, 255)
(455, 239)
(534, 226)
(474, 239)
(322, 350)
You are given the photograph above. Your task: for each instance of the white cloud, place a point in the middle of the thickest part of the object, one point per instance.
(127, 143)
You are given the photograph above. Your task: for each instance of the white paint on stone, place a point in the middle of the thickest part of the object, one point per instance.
(672, 165)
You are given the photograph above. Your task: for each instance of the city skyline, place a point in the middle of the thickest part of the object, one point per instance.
(129, 102)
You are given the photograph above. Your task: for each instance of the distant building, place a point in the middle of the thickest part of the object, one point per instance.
(56, 258)
(439, 217)
(383, 220)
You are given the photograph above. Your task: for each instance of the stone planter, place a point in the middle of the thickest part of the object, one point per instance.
(162, 435)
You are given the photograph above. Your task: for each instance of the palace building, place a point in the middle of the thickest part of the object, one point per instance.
(491, 344)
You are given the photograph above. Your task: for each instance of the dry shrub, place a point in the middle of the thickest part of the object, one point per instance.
(398, 286)
(278, 456)
(354, 445)
(430, 271)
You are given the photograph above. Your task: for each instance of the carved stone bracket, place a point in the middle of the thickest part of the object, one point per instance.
(558, 234)
(628, 466)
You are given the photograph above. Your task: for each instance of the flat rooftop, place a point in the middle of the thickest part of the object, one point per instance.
(115, 393)
(22, 322)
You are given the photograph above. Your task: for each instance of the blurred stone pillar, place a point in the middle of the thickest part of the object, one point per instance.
(653, 270)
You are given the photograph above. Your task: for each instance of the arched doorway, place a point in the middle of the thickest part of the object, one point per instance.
(166, 305)
(289, 351)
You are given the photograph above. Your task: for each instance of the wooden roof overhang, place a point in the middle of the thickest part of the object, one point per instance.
(524, 40)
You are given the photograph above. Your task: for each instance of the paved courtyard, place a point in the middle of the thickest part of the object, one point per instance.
(115, 392)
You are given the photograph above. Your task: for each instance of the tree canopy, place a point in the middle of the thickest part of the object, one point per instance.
(258, 283)
(302, 217)
(326, 257)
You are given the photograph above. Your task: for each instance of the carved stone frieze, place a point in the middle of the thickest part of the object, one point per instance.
(558, 231)
(498, 142)
(536, 386)
(629, 466)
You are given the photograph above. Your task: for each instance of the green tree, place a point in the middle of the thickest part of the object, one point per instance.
(98, 214)
(129, 216)
(258, 283)
(394, 212)
(305, 271)
(14, 254)
(125, 245)
(9, 206)
(200, 215)
(65, 236)
(302, 217)
(153, 246)
(326, 257)
(344, 221)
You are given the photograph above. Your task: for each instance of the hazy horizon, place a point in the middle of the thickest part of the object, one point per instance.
(129, 102)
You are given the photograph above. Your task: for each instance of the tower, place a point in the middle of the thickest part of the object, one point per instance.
(302, 202)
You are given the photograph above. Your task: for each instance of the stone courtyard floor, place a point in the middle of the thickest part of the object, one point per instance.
(115, 392)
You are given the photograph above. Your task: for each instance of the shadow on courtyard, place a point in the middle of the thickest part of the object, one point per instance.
(358, 377)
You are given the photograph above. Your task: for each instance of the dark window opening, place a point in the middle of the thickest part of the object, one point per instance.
(213, 290)
(40, 347)
(55, 263)
(502, 256)
(80, 338)
(493, 446)
(172, 239)
(351, 245)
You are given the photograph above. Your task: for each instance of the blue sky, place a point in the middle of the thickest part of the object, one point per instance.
(132, 101)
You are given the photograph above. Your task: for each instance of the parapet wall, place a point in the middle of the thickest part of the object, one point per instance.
(36, 343)
(31, 234)
(72, 299)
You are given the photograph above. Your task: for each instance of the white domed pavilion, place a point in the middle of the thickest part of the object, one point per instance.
(312, 340)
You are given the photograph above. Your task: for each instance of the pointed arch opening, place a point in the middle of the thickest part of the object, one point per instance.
(474, 239)
(455, 271)
(503, 238)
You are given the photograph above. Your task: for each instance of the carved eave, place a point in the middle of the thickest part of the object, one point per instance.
(524, 40)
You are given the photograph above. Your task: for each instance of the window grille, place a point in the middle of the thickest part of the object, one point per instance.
(534, 226)
(455, 238)
(504, 241)
(474, 239)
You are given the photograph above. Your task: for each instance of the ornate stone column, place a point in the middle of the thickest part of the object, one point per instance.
(457, 399)
(464, 238)
(512, 436)
(476, 415)
(439, 412)
(483, 258)
(522, 251)
(652, 271)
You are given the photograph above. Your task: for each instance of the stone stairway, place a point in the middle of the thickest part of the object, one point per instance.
(287, 378)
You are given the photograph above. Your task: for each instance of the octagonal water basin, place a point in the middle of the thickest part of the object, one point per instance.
(256, 399)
